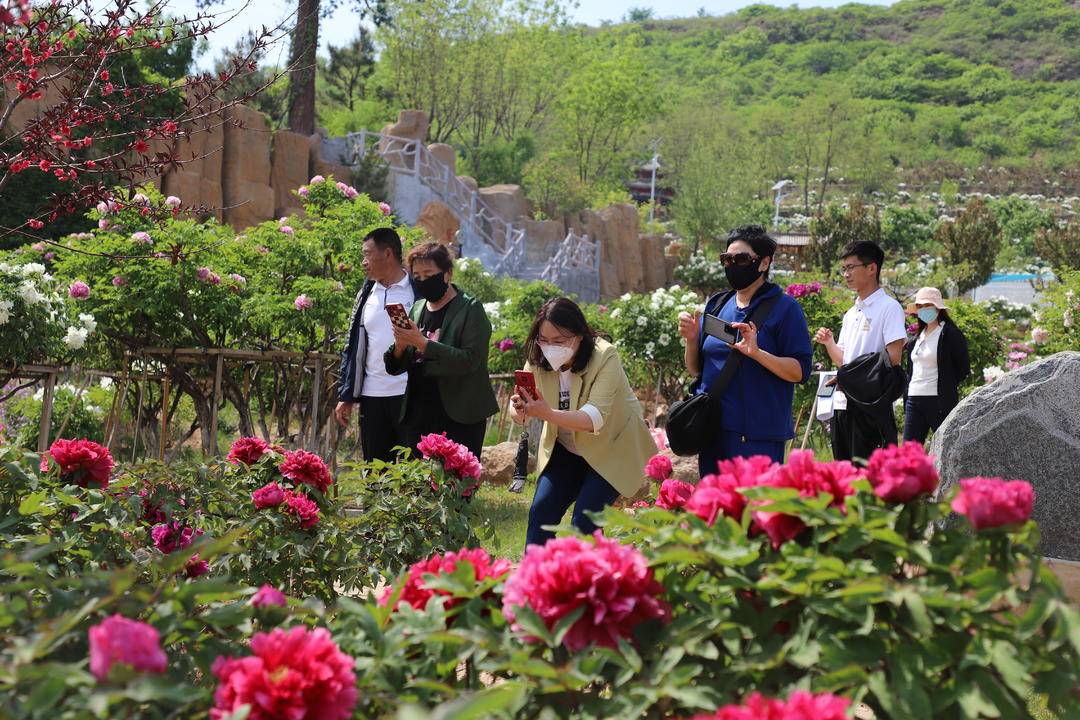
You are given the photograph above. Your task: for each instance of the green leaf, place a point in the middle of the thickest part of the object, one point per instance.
(498, 698)
(34, 502)
(565, 623)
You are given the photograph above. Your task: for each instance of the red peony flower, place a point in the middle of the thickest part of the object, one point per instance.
(902, 473)
(659, 468)
(756, 707)
(992, 502)
(170, 537)
(306, 467)
(290, 675)
(196, 566)
(305, 509)
(673, 494)
(719, 493)
(268, 596)
(810, 478)
(415, 591)
(456, 459)
(119, 640)
(800, 706)
(612, 581)
(82, 462)
(269, 495)
(247, 450)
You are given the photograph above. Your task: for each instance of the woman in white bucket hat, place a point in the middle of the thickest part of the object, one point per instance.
(936, 361)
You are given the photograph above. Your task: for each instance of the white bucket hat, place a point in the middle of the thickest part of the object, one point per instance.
(927, 296)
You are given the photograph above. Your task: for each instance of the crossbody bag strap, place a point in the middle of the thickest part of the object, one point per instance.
(758, 317)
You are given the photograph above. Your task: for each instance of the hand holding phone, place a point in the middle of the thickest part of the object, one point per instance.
(398, 315)
(525, 384)
(722, 330)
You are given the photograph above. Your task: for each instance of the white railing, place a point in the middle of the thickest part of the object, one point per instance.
(576, 267)
(411, 157)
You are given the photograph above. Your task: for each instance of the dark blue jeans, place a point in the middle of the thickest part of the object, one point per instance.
(567, 480)
(727, 445)
(921, 415)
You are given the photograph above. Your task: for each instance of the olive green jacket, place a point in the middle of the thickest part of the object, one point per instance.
(458, 361)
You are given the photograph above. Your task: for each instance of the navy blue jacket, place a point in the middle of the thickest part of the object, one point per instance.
(757, 403)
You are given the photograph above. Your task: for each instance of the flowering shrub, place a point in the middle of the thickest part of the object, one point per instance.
(39, 321)
(1058, 314)
(702, 273)
(476, 567)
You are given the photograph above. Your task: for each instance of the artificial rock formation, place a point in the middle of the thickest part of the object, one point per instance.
(439, 222)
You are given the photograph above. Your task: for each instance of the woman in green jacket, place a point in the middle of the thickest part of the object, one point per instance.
(445, 352)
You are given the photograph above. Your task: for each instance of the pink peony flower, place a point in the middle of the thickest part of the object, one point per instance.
(103, 224)
(1039, 335)
(203, 273)
(170, 537)
(290, 675)
(118, 281)
(238, 278)
(416, 593)
(315, 179)
(719, 493)
(810, 478)
(49, 256)
(673, 494)
(659, 468)
(756, 707)
(140, 199)
(262, 250)
(82, 462)
(505, 344)
(1017, 355)
(306, 467)
(142, 237)
(196, 567)
(902, 473)
(659, 436)
(38, 247)
(172, 201)
(303, 302)
(342, 187)
(118, 640)
(247, 450)
(305, 510)
(269, 495)
(269, 596)
(302, 191)
(801, 705)
(79, 290)
(351, 192)
(456, 459)
(385, 209)
(286, 229)
(611, 581)
(992, 502)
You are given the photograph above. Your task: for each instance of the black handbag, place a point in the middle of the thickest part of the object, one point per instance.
(693, 421)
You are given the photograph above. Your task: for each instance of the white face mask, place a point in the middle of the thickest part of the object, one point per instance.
(557, 355)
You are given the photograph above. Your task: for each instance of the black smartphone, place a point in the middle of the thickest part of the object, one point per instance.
(720, 329)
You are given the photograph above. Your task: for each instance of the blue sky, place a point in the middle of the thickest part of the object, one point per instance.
(341, 27)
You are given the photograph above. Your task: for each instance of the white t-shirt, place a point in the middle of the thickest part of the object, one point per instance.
(380, 335)
(869, 325)
(924, 369)
(566, 437)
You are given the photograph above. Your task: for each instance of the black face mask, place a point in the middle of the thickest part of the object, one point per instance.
(742, 276)
(433, 288)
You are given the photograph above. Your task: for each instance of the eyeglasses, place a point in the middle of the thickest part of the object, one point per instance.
(848, 269)
(740, 259)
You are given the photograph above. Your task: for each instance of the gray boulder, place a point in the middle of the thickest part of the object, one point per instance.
(1024, 426)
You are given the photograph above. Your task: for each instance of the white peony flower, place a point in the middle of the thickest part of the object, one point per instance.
(88, 322)
(625, 296)
(616, 312)
(5, 311)
(664, 339)
(649, 347)
(642, 321)
(991, 374)
(75, 338)
(30, 294)
(33, 269)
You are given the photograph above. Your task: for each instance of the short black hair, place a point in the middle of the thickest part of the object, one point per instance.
(384, 238)
(756, 237)
(867, 252)
(564, 314)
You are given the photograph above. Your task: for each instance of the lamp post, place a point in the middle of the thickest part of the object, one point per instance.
(779, 188)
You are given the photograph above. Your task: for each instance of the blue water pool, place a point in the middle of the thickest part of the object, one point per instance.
(1011, 277)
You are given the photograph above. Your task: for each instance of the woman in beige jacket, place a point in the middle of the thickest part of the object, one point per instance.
(595, 444)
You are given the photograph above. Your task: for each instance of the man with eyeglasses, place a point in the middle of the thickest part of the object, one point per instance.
(364, 379)
(874, 323)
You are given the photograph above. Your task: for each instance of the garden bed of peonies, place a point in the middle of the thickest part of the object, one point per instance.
(764, 591)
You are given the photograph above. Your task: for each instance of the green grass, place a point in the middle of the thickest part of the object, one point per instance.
(509, 514)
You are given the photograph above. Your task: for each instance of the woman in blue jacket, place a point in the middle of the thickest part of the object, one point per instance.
(755, 407)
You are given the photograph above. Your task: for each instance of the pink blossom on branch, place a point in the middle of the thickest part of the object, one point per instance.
(118, 640)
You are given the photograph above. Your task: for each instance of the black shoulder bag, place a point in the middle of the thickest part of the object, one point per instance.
(693, 421)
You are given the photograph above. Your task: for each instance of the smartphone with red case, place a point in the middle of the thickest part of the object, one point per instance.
(398, 315)
(526, 381)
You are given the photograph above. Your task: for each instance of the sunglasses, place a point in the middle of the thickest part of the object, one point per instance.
(740, 259)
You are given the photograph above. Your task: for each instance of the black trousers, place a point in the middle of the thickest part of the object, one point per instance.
(921, 415)
(856, 434)
(426, 415)
(380, 427)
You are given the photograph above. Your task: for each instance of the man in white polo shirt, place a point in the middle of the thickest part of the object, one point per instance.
(363, 372)
(875, 322)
